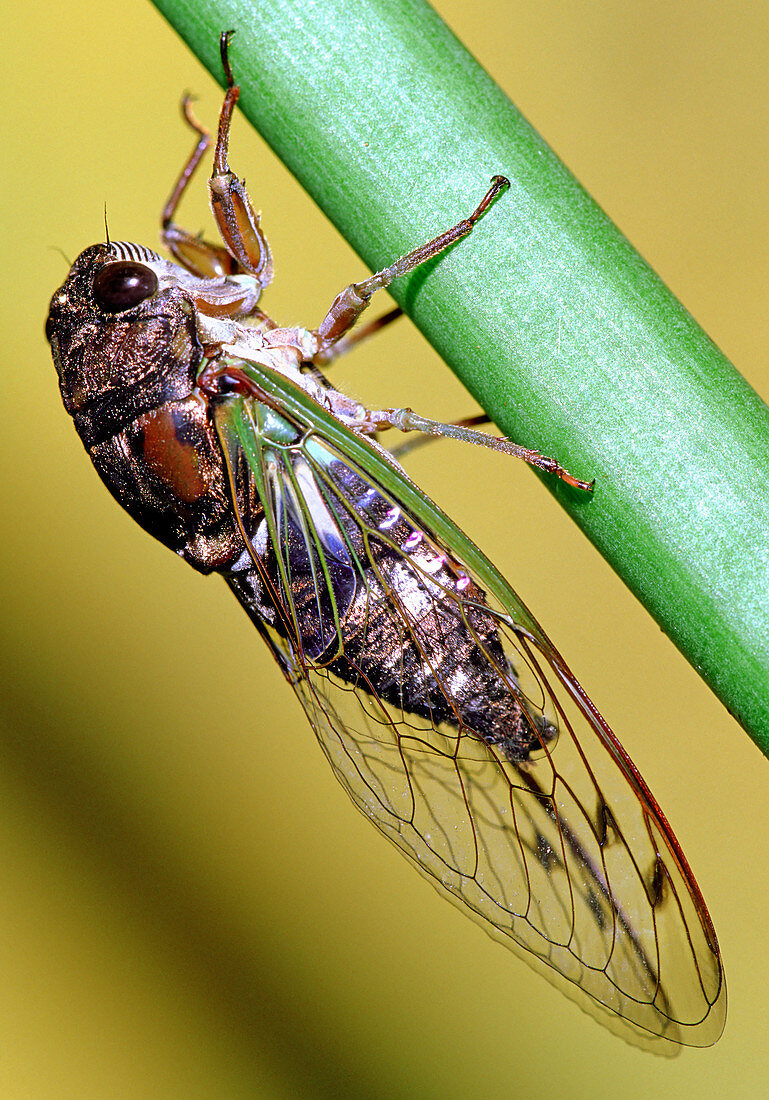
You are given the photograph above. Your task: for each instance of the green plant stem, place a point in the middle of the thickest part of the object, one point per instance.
(555, 324)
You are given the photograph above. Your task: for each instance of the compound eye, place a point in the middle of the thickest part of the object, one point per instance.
(122, 285)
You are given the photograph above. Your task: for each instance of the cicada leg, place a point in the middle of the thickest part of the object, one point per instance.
(419, 441)
(332, 352)
(350, 304)
(198, 256)
(406, 420)
(235, 217)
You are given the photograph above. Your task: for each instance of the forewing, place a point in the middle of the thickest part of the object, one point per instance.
(560, 852)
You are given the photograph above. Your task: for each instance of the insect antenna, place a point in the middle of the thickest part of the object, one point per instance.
(55, 248)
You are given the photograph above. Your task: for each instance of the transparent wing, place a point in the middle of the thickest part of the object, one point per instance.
(456, 728)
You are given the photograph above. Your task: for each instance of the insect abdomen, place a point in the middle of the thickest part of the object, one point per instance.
(434, 659)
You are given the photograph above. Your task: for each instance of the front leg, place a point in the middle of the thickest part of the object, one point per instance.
(201, 258)
(245, 252)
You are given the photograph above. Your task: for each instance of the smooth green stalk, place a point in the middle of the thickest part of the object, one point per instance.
(555, 324)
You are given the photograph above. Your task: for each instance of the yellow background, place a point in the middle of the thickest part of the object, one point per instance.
(189, 907)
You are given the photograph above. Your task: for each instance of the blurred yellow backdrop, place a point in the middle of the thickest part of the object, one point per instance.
(188, 904)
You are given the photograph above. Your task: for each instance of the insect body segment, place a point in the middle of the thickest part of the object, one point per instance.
(443, 708)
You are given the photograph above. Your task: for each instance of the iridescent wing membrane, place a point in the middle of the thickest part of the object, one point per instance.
(516, 801)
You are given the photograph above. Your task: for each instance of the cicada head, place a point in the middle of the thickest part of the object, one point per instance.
(123, 333)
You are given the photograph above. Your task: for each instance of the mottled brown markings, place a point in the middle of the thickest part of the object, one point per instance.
(171, 454)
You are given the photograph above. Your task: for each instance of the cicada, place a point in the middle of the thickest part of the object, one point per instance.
(444, 710)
